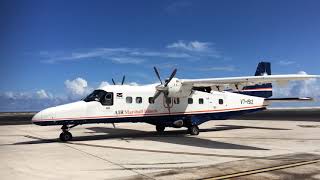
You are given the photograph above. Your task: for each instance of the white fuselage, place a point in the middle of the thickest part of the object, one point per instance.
(133, 101)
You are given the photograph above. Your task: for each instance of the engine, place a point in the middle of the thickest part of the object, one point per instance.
(176, 89)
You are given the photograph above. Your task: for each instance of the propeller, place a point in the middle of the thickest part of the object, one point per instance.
(123, 78)
(158, 74)
(122, 82)
(162, 88)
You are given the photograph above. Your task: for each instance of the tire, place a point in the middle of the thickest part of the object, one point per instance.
(65, 136)
(160, 128)
(193, 130)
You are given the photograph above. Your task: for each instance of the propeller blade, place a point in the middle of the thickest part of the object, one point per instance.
(157, 73)
(114, 126)
(156, 95)
(171, 76)
(123, 78)
(114, 83)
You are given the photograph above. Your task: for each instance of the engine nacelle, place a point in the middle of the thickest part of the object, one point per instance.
(175, 89)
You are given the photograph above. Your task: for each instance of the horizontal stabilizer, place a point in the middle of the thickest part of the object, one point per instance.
(291, 99)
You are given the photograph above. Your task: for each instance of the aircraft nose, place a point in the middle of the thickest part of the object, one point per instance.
(37, 117)
(43, 115)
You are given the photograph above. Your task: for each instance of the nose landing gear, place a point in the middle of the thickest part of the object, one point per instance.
(66, 135)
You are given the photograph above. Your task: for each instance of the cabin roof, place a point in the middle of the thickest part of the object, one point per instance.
(128, 88)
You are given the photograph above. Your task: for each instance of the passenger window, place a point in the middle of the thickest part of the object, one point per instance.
(200, 100)
(151, 100)
(129, 99)
(138, 100)
(220, 101)
(176, 100)
(190, 101)
(108, 99)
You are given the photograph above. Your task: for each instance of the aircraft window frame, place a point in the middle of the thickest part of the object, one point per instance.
(129, 100)
(138, 100)
(220, 101)
(151, 100)
(201, 101)
(190, 100)
(176, 100)
(96, 95)
(107, 101)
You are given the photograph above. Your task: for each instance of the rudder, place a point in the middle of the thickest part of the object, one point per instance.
(260, 90)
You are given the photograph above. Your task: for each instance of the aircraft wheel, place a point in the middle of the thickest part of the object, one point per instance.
(193, 130)
(160, 128)
(65, 136)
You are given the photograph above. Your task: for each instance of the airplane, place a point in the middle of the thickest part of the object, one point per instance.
(173, 103)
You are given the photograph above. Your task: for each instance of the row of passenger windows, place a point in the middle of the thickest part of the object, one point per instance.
(129, 100)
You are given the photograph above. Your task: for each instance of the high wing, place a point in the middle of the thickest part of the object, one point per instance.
(246, 80)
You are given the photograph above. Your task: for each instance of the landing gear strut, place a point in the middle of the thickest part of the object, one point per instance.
(66, 135)
(160, 128)
(193, 130)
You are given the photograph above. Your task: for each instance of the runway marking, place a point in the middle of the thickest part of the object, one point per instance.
(250, 172)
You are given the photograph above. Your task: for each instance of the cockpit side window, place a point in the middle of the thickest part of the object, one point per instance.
(96, 95)
(107, 100)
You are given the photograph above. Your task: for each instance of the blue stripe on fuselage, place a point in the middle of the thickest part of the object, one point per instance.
(167, 120)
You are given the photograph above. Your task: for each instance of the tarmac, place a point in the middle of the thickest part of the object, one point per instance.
(277, 144)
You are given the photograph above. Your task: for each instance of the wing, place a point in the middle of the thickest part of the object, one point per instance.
(246, 80)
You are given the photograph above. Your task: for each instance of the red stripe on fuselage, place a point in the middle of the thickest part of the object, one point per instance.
(149, 114)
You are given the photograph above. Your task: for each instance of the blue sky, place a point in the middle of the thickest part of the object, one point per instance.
(56, 51)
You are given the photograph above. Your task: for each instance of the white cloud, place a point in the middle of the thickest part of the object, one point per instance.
(126, 60)
(286, 63)
(40, 99)
(103, 84)
(42, 94)
(9, 95)
(180, 50)
(133, 84)
(302, 72)
(29, 101)
(77, 87)
(190, 46)
(307, 88)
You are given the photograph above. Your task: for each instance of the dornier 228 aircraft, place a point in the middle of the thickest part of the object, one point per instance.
(172, 103)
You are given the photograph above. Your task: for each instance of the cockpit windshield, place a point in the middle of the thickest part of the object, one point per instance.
(96, 95)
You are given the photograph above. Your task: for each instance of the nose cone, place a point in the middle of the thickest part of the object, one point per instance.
(59, 113)
(43, 115)
(37, 117)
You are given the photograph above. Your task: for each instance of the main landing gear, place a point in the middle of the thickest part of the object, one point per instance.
(66, 135)
(160, 128)
(192, 130)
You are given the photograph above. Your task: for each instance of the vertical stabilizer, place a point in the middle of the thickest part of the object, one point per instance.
(260, 90)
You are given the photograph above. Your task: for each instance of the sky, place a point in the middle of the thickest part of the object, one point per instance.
(53, 52)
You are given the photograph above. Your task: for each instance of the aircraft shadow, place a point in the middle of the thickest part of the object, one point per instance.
(172, 137)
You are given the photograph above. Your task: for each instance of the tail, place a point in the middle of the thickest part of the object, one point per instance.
(260, 90)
